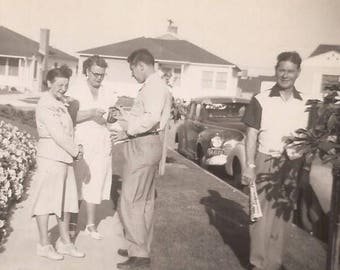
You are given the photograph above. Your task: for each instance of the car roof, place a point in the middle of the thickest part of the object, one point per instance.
(219, 99)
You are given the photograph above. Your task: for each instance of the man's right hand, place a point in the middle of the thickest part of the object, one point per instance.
(248, 175)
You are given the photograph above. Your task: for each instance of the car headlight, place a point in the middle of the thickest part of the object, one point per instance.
(216, 141)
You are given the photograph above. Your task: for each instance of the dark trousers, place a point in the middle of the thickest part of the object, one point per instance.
(276, 184)
(136, 208)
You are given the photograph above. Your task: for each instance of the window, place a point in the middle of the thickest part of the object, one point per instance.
(207, 79)
(3, 61)
(13, 66)
(329, 80)
(177, 77)
(171, 75)
(221, 80)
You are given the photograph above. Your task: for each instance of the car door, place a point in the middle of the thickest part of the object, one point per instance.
(195, 127)
(183, 129)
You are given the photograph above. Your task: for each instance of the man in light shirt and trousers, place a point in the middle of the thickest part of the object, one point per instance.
(144, 125)
(271, 118)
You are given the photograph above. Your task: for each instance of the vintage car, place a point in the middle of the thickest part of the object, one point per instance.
(315, 198)
(213, 135)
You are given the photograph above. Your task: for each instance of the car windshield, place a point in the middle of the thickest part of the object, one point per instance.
(224, 110)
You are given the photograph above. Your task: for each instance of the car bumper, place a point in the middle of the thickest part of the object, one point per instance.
(217, 160)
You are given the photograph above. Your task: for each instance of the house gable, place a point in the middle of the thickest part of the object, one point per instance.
(327, 59)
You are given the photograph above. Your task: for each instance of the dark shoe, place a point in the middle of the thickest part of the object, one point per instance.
(134, 263)
(123, 252)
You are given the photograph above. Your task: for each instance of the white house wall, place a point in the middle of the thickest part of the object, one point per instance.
(119, 79)
(312, 70)
(192, 81)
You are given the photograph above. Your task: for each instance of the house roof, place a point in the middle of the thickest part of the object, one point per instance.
(324, 48)
(162, 49)
(15, 44)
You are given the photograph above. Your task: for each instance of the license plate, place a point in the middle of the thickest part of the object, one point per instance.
(215, 151)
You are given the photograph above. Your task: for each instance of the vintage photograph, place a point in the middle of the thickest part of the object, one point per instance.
(170, 135)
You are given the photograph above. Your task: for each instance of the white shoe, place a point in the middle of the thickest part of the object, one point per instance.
(49, 252)
(94, 234)
(68, 249)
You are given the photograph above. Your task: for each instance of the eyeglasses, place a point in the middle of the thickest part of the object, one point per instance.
(98, 75)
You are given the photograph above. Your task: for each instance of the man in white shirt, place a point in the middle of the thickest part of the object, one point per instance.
(271, 117)
(142, 153)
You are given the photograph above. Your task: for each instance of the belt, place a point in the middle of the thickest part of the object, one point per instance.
(131, 137)
(152, 132)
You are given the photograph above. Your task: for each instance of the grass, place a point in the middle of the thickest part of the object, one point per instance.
(23, 119)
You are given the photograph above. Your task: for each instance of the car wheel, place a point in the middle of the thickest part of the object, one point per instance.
(176, 144)
(180, 145)
(237, 173)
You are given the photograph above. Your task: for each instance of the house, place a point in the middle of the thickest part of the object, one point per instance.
(22, 60)
(320, 70)
(249, 86)
(191, 71)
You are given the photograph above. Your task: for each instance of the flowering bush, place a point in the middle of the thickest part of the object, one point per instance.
(17, 156)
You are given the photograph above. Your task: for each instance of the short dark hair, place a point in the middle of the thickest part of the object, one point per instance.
(141, 55)
(93, 60)
(293, 57)
(61, 72)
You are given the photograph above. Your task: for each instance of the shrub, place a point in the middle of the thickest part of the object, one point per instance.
(17, 157)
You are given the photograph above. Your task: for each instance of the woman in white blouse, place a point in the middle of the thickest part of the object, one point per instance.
(94, 172)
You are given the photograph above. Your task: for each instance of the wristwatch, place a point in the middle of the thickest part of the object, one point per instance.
(251, 165)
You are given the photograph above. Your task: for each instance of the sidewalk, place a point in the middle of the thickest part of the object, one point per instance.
(200, 224)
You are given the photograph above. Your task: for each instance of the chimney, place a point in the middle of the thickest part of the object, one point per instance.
(43, 50)
(44, 41)
(172, 29)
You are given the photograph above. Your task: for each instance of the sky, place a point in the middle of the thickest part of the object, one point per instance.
(248, 33)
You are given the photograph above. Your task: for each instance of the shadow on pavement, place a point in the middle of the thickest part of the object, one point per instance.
(231, 221)
(105, 209)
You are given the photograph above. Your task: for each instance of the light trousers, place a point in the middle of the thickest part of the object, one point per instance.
(136, 207)
(277, 190)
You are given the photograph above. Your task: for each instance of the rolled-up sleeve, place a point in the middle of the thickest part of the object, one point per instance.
(147, 110)
(253, 114)
(56, 131)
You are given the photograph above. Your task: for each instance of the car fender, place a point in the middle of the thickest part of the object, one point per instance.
(237, 152)
(321, 181)
(204, 138)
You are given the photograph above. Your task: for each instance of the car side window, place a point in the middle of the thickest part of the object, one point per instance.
(192, 111)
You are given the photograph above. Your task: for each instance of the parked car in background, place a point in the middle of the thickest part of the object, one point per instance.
(213, 135)
(314, 200)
